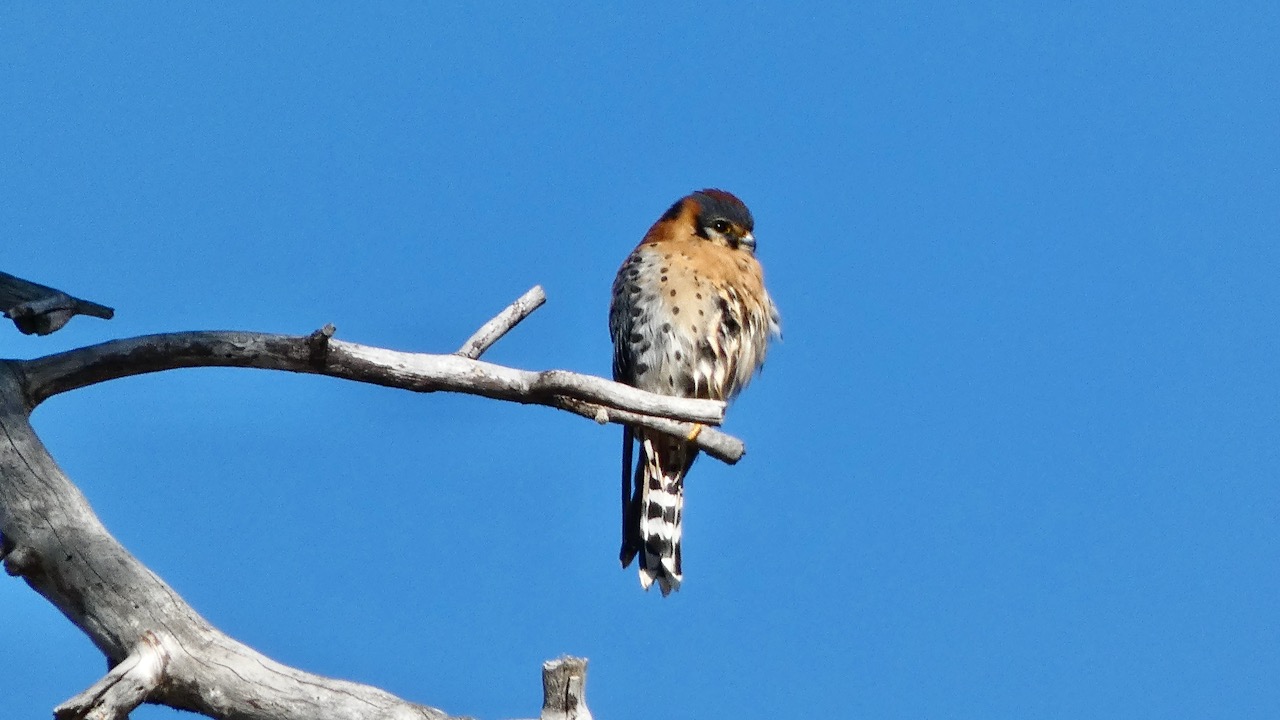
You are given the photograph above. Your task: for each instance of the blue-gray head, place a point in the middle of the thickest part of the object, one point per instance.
(722, 217)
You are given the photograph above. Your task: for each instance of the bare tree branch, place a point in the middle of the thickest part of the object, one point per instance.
(490, 332)
(36, 309)
(53, 374)
(159, 649)
(721, 446)
(60, 548)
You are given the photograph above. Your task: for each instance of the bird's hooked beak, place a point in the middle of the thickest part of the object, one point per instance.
(748, 241)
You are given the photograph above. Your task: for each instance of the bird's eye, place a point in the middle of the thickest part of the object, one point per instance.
(720, 226)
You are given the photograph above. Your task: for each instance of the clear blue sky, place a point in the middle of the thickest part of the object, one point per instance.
(1017, 456)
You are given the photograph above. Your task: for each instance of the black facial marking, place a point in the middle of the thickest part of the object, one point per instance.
(719, 205)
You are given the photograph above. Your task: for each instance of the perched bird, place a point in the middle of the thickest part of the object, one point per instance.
(690, 317)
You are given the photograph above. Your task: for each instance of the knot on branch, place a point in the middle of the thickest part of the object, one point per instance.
(39, 310)
(42, 317)
(20, 561)
(318, 346)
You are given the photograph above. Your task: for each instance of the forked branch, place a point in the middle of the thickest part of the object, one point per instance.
(122, 689)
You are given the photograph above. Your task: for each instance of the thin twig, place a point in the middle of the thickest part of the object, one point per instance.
(721, 446)
(490, 332)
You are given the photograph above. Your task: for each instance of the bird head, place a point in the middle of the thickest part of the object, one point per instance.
(723, 219)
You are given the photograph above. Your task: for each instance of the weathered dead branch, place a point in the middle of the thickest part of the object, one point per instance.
(564, 689)
(40, 310)
(490, 332)
(592, 397)
(159, 649)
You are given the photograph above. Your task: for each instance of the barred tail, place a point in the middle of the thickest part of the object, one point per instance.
(651, 520)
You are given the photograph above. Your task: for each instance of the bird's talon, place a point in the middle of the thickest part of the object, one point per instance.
(695, 432)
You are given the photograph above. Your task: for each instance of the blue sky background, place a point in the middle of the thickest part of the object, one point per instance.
(1016, 458)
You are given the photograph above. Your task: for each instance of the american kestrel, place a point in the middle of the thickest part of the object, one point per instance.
(689, 317)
